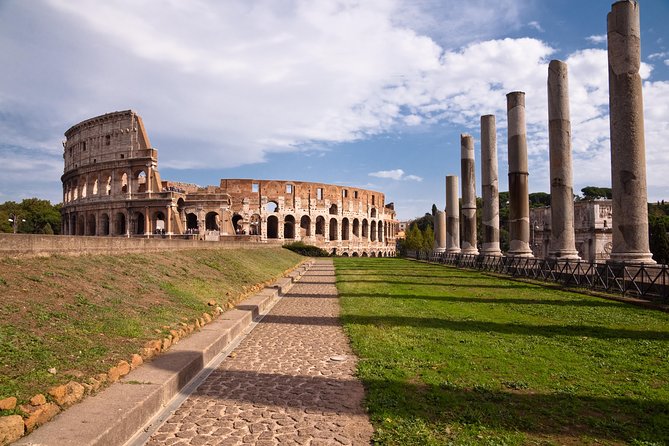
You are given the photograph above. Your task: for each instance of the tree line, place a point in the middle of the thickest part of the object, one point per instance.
(30, 216)
(420, 232)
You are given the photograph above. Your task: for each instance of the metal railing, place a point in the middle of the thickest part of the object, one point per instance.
(650, 282)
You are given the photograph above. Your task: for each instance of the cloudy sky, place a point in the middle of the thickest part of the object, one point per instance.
(368, 93)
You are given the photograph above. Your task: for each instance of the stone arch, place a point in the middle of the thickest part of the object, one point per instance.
(159, 224)
(345, 229)
(333, 209)
(272, 226)
(120, 224)
(355, 254)
(91, 225)
(372, 213)
(104, 224)
(271, 207)
(139, 223)
(289, 227)
(380, 230)
(192, 224)
(380, 254)
(372, 231)
(108, 184)
(333, 229)
(356, 228)
(305, 226)
(81, 225)
(96, 185)
(372, 254)
(320, 225)
(364, 254)
(84, 188)
(365, 229)
(237, 221)
(124, 183)
(140, 183)
(255, 225)
(212, 221)
(344, 254)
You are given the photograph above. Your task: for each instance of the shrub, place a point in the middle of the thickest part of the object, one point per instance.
(306, 250)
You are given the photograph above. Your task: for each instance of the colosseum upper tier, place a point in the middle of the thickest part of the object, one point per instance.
(112, 187)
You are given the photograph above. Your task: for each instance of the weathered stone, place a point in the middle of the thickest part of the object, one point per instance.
(628, 147)
(38, 400)
(67, 394)
(11, 429)
(519, 199)
(207, 317)
(123, 368)
(8, 403)
(38, 415)
(440, 231)
(136, 361)
(113, 374)
(489, 187)
(167, 343)
(562, 243)
(452, 215)
(467, 170)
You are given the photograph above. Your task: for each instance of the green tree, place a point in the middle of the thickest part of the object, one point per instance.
(594, 192)
(37, 214)
(414, 238)
(538, 199)
(659, 240)
(428, 239)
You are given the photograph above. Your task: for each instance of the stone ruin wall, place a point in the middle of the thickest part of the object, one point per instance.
(112, 187)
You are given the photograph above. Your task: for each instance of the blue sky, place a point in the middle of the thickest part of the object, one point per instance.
(371, 93)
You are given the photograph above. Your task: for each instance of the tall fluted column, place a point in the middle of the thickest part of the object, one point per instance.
(628, 150)
(562, 243)
(519, 206)
(452, 215)
(440, 231)
(489, 187)
(468, 195)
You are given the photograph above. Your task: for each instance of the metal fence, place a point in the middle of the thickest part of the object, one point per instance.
(650, 282)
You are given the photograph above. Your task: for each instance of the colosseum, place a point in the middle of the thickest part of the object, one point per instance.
(111, 187)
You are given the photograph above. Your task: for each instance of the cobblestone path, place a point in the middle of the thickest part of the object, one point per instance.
(285, 384)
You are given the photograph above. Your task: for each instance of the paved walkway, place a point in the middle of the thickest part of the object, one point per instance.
(285, 384)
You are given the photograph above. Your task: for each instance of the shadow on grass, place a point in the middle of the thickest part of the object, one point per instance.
(484, 409)
(441, 281)
(473, 326)
(492, 300)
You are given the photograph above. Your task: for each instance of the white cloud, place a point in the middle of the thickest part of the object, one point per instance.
(597, 39)
(396, 174)
(658, 55)
(666, 62)
(536, 25)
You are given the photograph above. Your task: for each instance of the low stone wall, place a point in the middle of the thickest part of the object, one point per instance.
(32, 245)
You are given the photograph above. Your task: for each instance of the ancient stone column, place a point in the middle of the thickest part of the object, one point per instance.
(452, 215)
(562, 243)
(628, 151)
(440, 231)
(519, 206)
(489, 187)
(468, 195)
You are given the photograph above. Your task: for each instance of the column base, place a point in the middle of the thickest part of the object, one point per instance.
(453, 251)
(632, 258)
(492, 253)
(563, 255)
(524, 254)
(470, 251)
(439, 250)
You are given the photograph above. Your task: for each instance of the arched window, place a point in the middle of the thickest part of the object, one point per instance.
(333, 209)
(159, 222)
(124, 183)
(90, 225)
(140, 181)
(272, 227)
(237, 223)
(254, 225)
(95, 186)
(333, 229)
(271, 207)
(365, 229)
(289, 227)
(373, 213)
(305, 226)
(139, 223)
(372, 231)
(191, 222)
(356, 227)
(120, 224)
(104, 224)
(345, 227)
(320, 226)
(212, 221)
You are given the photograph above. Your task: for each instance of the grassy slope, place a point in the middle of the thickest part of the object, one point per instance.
(455, 357)
(84, 314)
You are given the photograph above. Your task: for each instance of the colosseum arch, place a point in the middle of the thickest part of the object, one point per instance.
(120, 224)
(237, 223)
(305, 226)
(139, 181)
(365, 229)
(96, 185)
(104, 224)
(272, 226)
(124, 183)
(138, 222)
(81, 225)
(255, 227)
(345, 229)
(320, 226)
(90, 225)
(356, 228)
(84, 188)
(212, 221)
(333, 209)
(372, 231)
(289, 227)
(372, 213)
(192, 223)
(333, 229)
(158, 221)
(272, 207)
(380, 229)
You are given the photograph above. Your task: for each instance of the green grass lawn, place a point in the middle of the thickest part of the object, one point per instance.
(451, 356)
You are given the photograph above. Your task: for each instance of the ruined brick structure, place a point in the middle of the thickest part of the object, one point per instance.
(112, 187)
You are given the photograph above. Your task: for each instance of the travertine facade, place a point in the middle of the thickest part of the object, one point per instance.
(112, 187)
